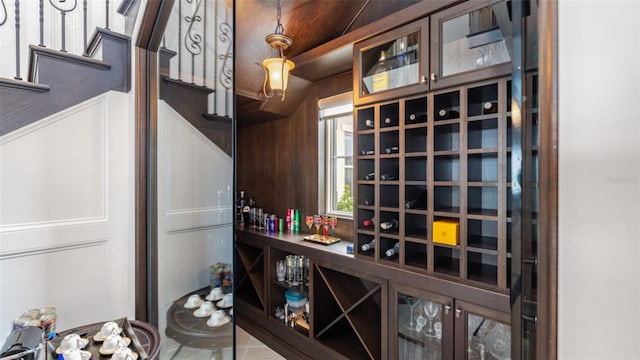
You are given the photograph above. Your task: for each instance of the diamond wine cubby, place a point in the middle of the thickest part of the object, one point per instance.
(249, 275)
(349, 320)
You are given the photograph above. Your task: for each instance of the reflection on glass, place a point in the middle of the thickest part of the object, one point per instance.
(391, 65)
(414, 324)
(487, 339)
(477, 39)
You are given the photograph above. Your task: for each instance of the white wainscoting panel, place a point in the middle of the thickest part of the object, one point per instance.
(66, 214)
(194, 208)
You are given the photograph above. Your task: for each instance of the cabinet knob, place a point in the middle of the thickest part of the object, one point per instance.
(434, 77)
(447, 309)
(458, 312)
(423, 79)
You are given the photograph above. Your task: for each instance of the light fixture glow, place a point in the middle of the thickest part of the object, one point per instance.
(276, 69)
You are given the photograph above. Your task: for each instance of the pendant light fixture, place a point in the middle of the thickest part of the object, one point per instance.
(276, 69)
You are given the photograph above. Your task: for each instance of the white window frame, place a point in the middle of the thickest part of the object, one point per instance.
(329, 109)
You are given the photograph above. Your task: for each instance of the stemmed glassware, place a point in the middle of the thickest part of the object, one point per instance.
(431, 310)
(309, 221)
(317, 221)
(333, 222)
(412, 301)
(325, 226)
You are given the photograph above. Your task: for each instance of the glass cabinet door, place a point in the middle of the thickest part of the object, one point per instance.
(423, 329)
(470, 43)
(485, 333)
(392, 64)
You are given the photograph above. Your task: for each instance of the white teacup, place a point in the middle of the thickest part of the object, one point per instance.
(217, 318)
(204, 309)
(193, 301)
(113, 343)
(76, 354)
(215, 294)
(72, 341)
(124, 353)
(109, 328)
(227, 301)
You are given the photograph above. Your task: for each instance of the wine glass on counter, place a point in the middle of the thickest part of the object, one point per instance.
(317, 221)
(325, 226)
(333, 222)
(309, 221)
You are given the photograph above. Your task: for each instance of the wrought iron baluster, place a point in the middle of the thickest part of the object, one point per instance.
(84, 27)
(215, 57)
(192, 39)
(204, 41)
(107, 12)
(226, 70)
(63, 13)
(179, 40)
(41, 10)
(17, 13)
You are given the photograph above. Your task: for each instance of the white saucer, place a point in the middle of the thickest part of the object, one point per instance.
(220, 305)
(86, 355)
(208, 313)
(226, 320)
(84, 340)
(194, 306)
(110, 352)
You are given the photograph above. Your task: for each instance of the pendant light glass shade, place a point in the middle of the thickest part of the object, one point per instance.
(276, 69)
(277, 73)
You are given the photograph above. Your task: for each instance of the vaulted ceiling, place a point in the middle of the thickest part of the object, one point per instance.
(310, 24)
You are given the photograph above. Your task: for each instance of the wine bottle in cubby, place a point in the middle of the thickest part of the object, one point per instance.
(367, 202)
(367, 152)
(392, 150)
(388, 177)
(418, 117)
(369, 246)
(367, 222)
(394, 250)
(369, 123)
(417, 203)
(391, 121)
(388, 225)
(370, 176)
(490, 107)
(444, 114)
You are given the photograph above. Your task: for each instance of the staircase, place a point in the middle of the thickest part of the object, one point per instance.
(57, 79)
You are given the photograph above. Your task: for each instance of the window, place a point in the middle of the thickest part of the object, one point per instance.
(336, 155)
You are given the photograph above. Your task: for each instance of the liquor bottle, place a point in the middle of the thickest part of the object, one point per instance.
(369, 123)
(367, 222)
(388, 225)
(391, 121)
(394, 250)
(246, 211)
(391, 150)
(370, 176)
(367, 202)
(367, 152)
(444, 114)
(239, 207)
(490, 107)
(419, 117)
(381, 74)
(369, 246)
(388, 177)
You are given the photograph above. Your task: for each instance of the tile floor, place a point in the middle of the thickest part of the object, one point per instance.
(247, 348)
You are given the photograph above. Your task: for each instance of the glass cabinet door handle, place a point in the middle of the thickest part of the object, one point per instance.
(447, 309)
(458, 312)
(434, 77)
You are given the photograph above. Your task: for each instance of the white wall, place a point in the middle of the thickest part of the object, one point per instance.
(66, 214)
(599, 161)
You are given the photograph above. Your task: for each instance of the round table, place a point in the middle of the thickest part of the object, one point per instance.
(147, 335)
(192, 331)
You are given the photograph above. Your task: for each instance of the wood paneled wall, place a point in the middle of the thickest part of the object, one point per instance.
(277, 161)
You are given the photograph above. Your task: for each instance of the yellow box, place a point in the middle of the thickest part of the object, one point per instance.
(446, 231)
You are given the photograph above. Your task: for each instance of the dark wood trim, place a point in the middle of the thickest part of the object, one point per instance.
(146, 83)
(547, 327)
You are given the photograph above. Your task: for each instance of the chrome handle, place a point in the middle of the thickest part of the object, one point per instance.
(447, 309)
(423, 79)
(434, 77)
(458, 312)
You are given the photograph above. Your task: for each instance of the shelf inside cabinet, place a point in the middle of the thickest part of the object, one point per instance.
(365, 119)
(482, 235)
(343, 339)
(388, 242)
(388, 169)
(366, 169)
(415, 197)
(362, 239)
(482, 167)
(366, 195)
(415, 254)
(446, 137)
(415, 141)
(415, 168)
(415, 226)
(366, 145)
(446, 106)
(389, 115)
(482, 268)
(389, 143)
(482, 200)
(389, 196)
(482, 134)
(446, 260)
(446, 168)
(446, 199)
